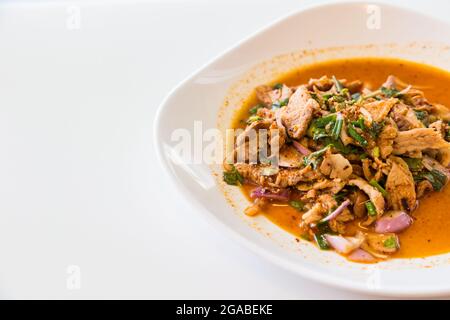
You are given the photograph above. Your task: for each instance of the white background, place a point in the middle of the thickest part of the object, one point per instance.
(79, 180)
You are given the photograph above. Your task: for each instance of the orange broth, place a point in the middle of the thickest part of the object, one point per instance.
(430, 232)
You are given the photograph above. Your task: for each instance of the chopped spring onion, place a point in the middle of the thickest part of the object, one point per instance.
(360, 123)
(390, 243)
(374, 183)
(321, 241)
(371, 210)
(338, 84)
(337, 126)
(356, 136)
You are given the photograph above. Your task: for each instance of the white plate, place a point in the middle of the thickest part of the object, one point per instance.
(352, 29)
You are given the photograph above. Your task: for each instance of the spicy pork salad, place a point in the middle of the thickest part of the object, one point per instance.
(352, 161)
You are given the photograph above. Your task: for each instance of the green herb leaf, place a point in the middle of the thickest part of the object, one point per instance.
(252, 119)
(323, 227)
(255, 109)
(341, 195)
(421, 114)
(375, 129)
(339, 146)
(297, 204)
(277, 86)
(371, 210)
(363, 156)
(389, 92)
(321, 241)
(233, 177)
(314, 158)
(279, 104)
(438, 181)
(414, 164)
(323, 121)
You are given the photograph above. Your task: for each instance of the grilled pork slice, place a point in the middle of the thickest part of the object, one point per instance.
(400, 185)
(405, 117)
(297, 115)
(418, 140)
(386, 139)
(336, 166)
(278, 178)
(380, 109)
(374, 195)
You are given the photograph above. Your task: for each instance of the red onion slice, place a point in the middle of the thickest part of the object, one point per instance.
(300, 148)
(344, 245)
(260, 192)
(360, 255)
(395, 222)
(336, 212)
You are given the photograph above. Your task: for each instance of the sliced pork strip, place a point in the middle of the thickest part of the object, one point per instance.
(380, 109)
(405, 117)
(282, 178)
(374, 195)
(386, 139)
(297, 115)
(400, 185)
(418, 140)
(336, 166)
(290, 157)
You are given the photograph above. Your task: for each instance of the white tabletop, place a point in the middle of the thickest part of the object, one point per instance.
(85, 209)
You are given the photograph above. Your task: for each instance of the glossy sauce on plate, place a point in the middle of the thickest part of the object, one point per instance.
(430, 232)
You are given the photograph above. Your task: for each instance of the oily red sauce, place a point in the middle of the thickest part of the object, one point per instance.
(430, 233)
